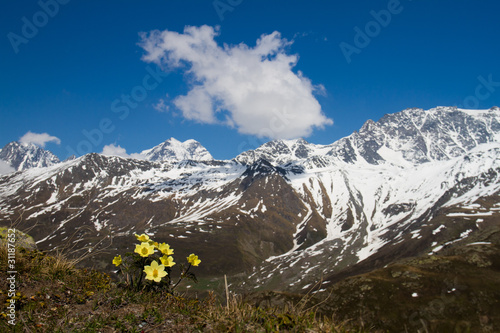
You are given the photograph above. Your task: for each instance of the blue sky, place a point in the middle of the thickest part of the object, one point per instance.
(67, 67)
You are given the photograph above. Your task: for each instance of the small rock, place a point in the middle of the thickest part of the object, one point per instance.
(396, 274)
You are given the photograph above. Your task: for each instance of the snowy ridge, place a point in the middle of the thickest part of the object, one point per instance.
(280, 152)
(371, 200)
(383, 200)
(174, 150)
(288, 206)
(417, 136)
(23, 156)
(409, 137)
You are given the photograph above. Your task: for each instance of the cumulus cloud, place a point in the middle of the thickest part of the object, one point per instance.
(39, 139)
(114, 150)
(5, 168)
(253, 89)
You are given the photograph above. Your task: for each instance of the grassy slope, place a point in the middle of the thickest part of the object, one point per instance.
(455, 291)
(53, 296)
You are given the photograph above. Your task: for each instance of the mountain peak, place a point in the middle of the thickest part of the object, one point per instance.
(175, 150)
(22, 156)
(418, 136)
(279, 152)
(412, 136)
(367, 126)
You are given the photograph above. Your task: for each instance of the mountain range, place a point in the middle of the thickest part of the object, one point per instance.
(23, 156)
(288, 215)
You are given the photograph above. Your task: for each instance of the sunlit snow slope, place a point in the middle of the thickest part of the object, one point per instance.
(413, 182)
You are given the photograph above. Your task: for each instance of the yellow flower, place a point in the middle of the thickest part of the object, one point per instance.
(117, 261)
(165, 249)
(142, 238)
(193, 260)
(155, 272)
(144, 249)
(167, 261)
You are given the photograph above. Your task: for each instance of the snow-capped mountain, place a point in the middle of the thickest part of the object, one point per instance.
(289, 212)
(22, 156)
(416, 136)
(412, 136)
(281, 152)
(174, 150)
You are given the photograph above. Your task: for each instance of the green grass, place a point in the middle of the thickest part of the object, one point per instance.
(457, 292)
(54, 296)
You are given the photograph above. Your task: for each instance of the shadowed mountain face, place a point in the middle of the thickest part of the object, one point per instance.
(286, 214)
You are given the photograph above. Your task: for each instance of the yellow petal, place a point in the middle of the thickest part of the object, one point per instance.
(117, 261)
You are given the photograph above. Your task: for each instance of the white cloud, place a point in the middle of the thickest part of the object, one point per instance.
(114, 150)
(251, 88)
(161, 106)
(5, 168)
(39, 139)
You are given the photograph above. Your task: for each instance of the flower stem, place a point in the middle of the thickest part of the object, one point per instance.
(181, 277)
(143, 261)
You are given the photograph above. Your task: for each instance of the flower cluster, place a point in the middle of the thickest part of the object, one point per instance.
(155, 261)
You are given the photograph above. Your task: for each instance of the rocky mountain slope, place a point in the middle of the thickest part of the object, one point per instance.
(23, 156)
(287, 214)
